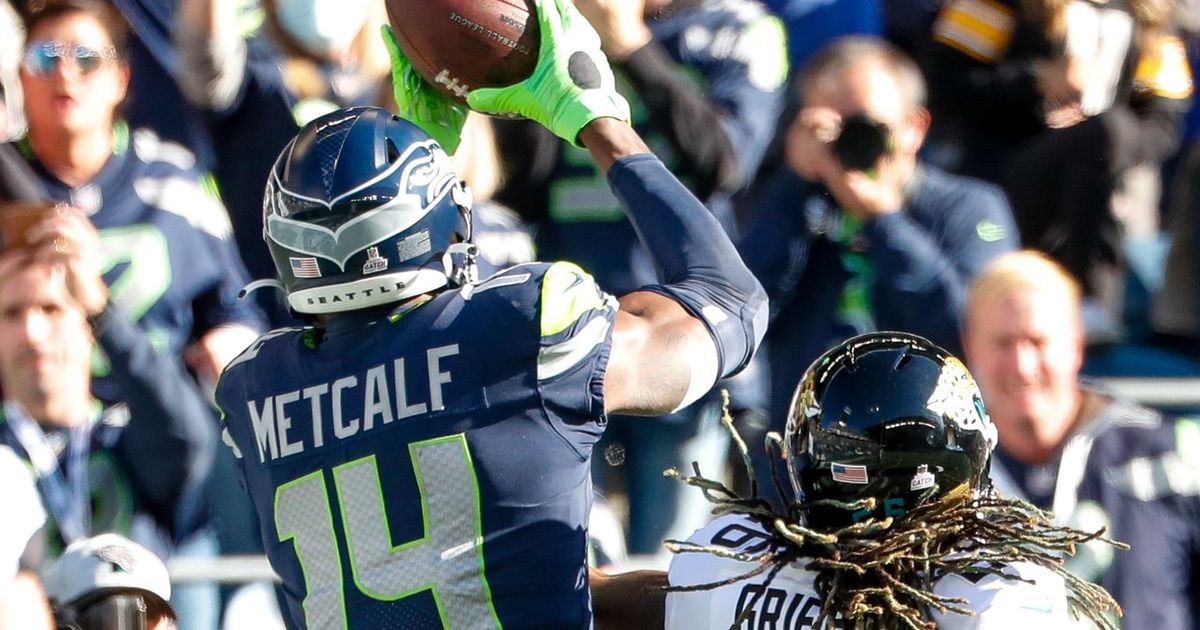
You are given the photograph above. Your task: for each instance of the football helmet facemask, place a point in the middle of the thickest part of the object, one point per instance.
(363, 209)
(886, 415)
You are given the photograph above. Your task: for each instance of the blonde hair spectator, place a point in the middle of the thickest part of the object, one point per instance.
(1025, 271)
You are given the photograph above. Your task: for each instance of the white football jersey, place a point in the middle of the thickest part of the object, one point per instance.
(791, 601)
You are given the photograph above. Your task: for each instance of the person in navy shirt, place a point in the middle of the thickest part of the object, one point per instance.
(887, 244)
(134, 466)
(166, 242)
(1092, 458)
(420, 455)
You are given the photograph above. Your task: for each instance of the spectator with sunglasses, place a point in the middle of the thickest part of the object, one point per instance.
(108, 582)
(166, 238)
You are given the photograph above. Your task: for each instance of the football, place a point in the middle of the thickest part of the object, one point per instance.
(462, 45)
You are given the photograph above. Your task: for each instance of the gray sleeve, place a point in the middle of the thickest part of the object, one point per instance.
(212, 68)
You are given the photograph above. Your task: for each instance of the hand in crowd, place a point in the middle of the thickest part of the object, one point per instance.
(620, 23)
(209, 354)
(66, 236)
(1064, 116)
(1061, 83)
(1060, 80)
(861, 194)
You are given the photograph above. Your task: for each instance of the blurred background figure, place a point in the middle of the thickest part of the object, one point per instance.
(1093, 459)
(257, 72)
(16, 181)
(704, 83)
(165, 238)
(503, 238)
(1175, 308)
(135, 464)
(166, 245)
(22, 601)
(859, 235)
(11, 36)
(109, 582)
(1057, 100)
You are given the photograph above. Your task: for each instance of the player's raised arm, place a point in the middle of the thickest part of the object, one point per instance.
(671, 342)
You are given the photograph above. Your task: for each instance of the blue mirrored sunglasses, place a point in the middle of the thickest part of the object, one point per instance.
(42, 58)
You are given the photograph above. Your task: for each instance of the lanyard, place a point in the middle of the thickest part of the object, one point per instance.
(65, 492)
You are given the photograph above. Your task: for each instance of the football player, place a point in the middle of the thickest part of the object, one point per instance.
(419, 457)
(892, 522)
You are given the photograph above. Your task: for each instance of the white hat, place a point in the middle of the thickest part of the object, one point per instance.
(105, 562)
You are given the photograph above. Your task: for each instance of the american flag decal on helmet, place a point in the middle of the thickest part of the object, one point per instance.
(846, 473)
(305, 267)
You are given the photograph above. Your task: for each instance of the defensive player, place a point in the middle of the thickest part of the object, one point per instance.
(892, 523)
(419, 458)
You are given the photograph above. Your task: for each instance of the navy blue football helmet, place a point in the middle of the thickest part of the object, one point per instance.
(362, 209)
(886, 415)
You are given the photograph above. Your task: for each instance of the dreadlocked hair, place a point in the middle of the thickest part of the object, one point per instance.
(879, 573)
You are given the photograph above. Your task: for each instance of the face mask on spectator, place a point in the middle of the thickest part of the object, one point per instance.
(321, 26)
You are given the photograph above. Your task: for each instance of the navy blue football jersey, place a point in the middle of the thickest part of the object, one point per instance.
(430, 468)
(166, 243)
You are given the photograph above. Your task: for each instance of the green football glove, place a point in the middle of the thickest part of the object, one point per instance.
(572, 84)
(420, 104)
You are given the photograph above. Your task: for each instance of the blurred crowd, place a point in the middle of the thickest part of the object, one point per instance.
(1017, 180)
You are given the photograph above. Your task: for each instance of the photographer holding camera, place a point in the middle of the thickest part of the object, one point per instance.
(858, 235)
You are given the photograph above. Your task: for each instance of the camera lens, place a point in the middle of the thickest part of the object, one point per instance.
(861, 143)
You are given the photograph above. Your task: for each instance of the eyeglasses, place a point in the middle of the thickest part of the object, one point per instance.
(42, 58)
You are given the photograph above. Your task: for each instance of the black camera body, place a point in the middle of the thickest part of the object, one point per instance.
(861, 142)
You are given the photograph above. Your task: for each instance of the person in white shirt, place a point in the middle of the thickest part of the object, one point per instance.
(23, 605)
(891, 521)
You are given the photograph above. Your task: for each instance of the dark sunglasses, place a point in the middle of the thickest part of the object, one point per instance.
(42, 58)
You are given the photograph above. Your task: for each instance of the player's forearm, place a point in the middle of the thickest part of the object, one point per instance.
(628, 601)
(609, 140)
(699, 265)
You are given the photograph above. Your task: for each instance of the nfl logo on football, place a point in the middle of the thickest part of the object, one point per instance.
(375, 262)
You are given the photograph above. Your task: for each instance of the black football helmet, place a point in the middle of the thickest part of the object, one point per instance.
(362, 209)
(887, 415)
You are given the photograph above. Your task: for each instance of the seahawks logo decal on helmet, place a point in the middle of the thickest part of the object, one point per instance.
(426, 179)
